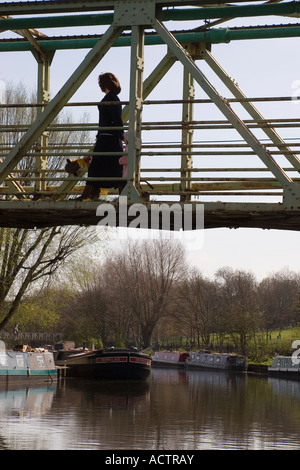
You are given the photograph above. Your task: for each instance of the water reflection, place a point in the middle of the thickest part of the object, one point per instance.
(19, 408)
(174, 409)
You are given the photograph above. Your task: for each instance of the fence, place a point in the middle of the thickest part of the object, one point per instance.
(31, 336)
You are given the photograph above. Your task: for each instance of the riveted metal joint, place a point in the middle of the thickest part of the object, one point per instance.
(134, 12)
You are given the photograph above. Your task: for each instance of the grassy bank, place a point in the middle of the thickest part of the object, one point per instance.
(280, 342)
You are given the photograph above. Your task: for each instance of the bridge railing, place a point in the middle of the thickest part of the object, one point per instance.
(31, 336)
(219, 168)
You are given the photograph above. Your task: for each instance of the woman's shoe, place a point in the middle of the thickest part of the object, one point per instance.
(87, 192)
(95, 193)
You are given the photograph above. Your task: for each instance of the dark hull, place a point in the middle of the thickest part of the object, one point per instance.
(208, 367)
(107, 365)
(175, 365)
(285, 367)
(284, 374)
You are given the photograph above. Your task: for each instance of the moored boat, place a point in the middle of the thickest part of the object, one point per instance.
(285, 366)
(214, 360)
(111, 364)
(24, 365)
(169, 359)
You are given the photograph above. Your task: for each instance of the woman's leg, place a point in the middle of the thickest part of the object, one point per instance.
(92, 189)
(89, 192)
(105, 166)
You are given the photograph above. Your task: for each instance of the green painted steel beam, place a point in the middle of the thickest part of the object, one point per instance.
(213, 36)
(289, 8)
(265, 9)
(60, 6)
(56, 21)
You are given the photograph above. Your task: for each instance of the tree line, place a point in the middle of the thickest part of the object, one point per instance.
(147, 295)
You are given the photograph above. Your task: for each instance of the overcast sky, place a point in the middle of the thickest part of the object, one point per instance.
(267, 67)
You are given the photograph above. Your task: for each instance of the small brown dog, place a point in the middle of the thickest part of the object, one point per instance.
(72, 167)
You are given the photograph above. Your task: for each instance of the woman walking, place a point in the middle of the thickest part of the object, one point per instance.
(109, 140)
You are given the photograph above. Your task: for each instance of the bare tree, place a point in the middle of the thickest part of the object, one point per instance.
(195, 308)
(145, 272)
(17, 117)
(86, 317)
(238, 305)
(278, 296)
(30, 256)
(97, 309)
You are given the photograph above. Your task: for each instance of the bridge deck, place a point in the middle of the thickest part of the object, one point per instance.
(37, 214)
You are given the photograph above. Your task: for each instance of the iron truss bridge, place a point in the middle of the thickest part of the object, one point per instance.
(217, 151)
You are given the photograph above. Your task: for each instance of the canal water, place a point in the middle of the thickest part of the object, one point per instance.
(173, 410)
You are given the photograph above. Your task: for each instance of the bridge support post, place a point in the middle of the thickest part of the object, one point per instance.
(129, 13)
(154, 78)
(187, 132)
(196, 51)
(132, 189)
(43, 96)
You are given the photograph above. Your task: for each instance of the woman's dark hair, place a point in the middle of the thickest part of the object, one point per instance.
(110, 82)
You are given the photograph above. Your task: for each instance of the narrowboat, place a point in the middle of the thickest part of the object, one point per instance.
(169, 359)
(285, 366)
(26, 365)
(111, 364)
(213, 360)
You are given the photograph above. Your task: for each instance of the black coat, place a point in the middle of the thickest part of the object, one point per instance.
(109, 140)
(111, 115)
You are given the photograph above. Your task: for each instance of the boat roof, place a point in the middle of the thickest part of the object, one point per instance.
(282, 357)
(204, 351)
